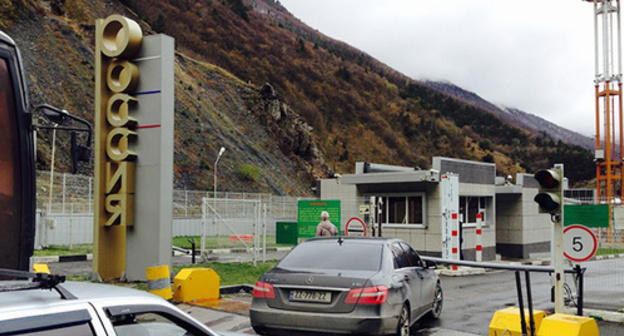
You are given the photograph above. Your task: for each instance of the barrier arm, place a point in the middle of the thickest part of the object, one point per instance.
(577, 271)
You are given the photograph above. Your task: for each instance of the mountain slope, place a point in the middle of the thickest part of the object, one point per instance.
(515, 116)
(326, 105)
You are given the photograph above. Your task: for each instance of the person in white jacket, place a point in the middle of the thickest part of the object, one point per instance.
(325, 227)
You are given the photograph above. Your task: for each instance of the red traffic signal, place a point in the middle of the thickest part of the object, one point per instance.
(550, 195)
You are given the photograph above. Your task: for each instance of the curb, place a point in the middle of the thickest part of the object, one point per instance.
(244, 250)
(65, 258)
(461, 271)
(608, 316)
(609, 256)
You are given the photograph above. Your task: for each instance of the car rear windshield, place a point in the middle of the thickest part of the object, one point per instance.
(330, 254)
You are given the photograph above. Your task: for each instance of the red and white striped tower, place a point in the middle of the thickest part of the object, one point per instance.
(479, 248)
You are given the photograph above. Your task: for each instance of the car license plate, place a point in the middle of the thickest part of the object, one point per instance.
(310, 296)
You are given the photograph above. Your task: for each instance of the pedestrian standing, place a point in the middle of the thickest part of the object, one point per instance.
(325, 227)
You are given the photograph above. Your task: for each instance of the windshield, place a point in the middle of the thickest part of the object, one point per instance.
(331, 255)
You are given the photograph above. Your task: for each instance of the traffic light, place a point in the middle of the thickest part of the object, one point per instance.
(550, 195)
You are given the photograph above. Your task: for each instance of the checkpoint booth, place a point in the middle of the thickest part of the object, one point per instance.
(446, 211)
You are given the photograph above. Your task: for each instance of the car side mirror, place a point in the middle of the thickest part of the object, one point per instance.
(430, 264)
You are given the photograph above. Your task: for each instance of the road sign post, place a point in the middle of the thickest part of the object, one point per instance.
(550, 200)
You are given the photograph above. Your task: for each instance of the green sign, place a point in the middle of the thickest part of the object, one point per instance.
(589, 215)
(309, 215)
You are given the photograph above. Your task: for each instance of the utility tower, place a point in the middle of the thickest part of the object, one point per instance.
(608, 81)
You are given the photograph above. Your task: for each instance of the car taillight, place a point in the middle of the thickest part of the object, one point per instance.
(264, 290)
(367, 295)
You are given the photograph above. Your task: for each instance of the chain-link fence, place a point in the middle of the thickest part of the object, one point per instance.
(56, 191)
(65, 214)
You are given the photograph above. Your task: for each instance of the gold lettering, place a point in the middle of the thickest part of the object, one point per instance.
(121, 37)
(118, 110)
(118, 144)
(117, 41)
(119, 207)
(122, 179)
(122, 76)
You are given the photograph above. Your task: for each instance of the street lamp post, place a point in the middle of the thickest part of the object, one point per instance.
(214, 196)
(221, 151)
(214, 204)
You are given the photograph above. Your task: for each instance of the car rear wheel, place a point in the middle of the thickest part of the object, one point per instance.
(436, 306)
(403, 326)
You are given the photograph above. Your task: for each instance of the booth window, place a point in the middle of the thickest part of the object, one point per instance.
(403, 210)
(470, 206)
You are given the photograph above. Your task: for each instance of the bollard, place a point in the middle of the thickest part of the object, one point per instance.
(508, 321)
(569, 325)
(159, 281)
(195, 284)
(41, 268)
(192, 241)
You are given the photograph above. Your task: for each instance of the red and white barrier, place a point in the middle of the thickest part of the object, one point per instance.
(479, 252)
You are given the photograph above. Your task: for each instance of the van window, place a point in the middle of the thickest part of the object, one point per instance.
(10, 196)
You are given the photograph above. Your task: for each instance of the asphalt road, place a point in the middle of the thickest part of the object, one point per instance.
(604, 284)
(471, 301)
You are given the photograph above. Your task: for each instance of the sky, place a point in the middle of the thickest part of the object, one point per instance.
(533, 55)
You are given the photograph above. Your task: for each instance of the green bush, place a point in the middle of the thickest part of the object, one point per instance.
(248, 172)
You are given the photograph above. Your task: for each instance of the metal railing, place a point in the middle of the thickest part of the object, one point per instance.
(577, 271)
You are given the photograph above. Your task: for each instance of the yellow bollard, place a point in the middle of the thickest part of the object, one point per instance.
(194, 284)
(507, 321)
(159, 281)
(41, 268)
(569, 325)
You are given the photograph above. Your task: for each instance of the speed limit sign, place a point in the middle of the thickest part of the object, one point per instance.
(356, 227)
(579, 243)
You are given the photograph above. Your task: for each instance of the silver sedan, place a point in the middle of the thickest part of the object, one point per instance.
(347, 285)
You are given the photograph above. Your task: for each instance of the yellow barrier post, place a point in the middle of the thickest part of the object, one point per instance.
(507, 321)
(41, 268)
(194, 284)
(569, 325)
(159, 281)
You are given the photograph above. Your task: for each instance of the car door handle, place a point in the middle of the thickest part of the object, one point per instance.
(406, 277)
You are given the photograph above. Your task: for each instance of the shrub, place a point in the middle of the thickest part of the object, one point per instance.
(248, 172)
(485, 144)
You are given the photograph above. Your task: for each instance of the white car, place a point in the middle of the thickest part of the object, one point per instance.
(45, 307)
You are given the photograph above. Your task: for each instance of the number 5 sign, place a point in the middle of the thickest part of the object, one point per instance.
(579, 243)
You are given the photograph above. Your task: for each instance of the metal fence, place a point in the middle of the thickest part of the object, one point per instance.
(243, 223)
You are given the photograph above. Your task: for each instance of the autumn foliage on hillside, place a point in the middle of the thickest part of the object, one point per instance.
(358, 109)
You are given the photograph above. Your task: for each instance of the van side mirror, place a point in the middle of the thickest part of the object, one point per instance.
(60, 118)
